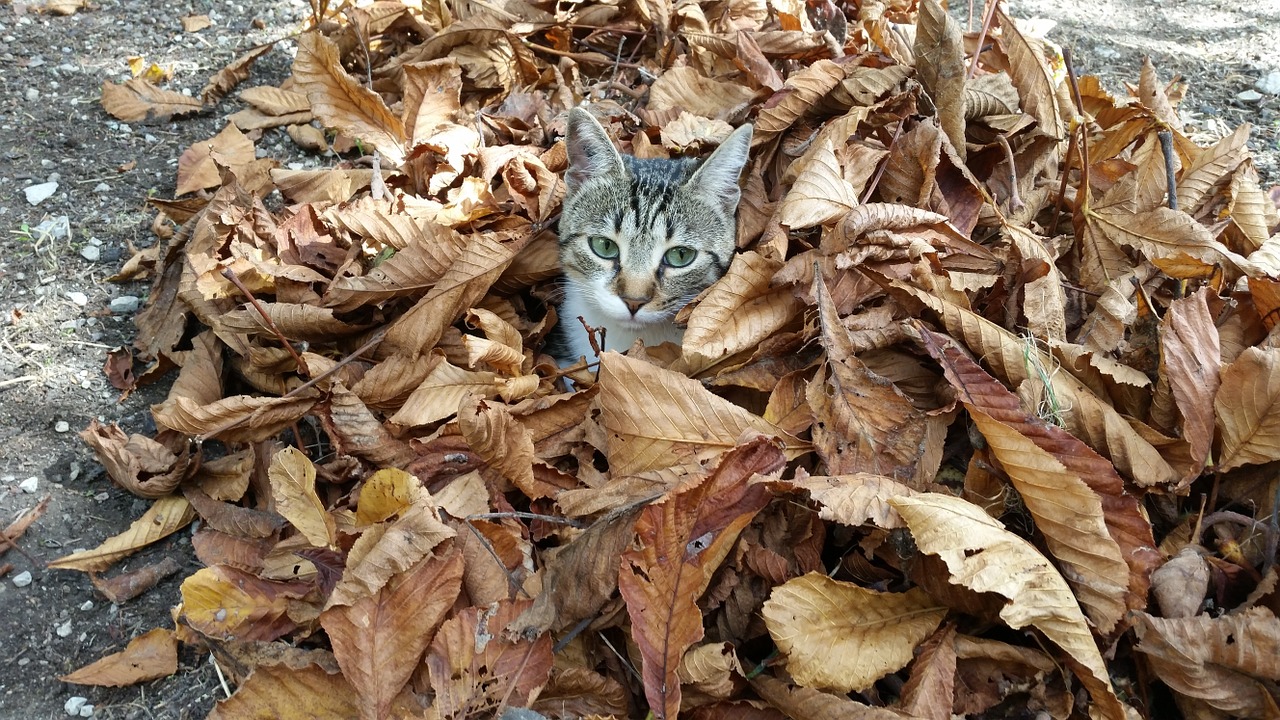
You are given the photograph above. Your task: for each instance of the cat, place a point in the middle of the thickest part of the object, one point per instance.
(639, 238)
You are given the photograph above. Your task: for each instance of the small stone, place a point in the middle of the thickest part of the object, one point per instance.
(31, 94)
(1249, 96)
(87, 605)
(22, 579)
(1269, 83)
(61, 426)
(37, 194)
(92, 253)
(74, 704)
(78, 298)
(64, 629)
(102, 188)
(125, 304)
(30, 485)
(1106, 52)
(86, 711)
(150, 139)
(102, 496)
(58, 228)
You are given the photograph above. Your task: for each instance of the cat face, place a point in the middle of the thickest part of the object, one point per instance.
(640, 238)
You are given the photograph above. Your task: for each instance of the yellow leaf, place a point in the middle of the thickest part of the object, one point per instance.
(293, 487)
(839, 636)
(165, 517)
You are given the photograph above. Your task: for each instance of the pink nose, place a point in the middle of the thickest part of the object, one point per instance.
(634, 304)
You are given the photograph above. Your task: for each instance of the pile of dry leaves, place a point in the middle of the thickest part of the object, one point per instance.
(982, 419)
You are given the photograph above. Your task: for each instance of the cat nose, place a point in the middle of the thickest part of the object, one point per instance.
(634, 304)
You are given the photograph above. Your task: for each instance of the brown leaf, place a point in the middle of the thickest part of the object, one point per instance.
(811, 704)
(1245, 405)
(461, 287)
(1224, 661)
(476, 666)
(985, 557)
(137, 463)
(379, 639)
(862, 422)
(166, 516)
(1030, 73)
(680, 542)
(1126, 523)
(281, 693)
(139, 101)
(1084, 416)
(693, 423)
(580, 577)
(389, 548)
(235, 72)
(737, 313)
(928, 694)
(502, 442)
(149, 656)
(685, 89)
(342, 103)
(839, 636)
(1191, 359)
(939, 50)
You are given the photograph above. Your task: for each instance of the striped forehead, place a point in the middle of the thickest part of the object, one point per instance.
(649, 212)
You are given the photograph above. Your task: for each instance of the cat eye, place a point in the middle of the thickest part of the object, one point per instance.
(679, 256)
(603, 246)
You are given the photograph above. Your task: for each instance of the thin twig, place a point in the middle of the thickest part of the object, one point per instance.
(871, 186)
(1166, 148)
(1015, 202)
(987, 17)
(594, 58)
(369, 345)
(230, 274)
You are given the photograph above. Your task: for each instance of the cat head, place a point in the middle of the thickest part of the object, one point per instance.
(641, 238)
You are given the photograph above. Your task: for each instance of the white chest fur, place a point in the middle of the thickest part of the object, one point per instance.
(619, 336)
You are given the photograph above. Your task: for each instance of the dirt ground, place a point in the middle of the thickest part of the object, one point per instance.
(57, 321)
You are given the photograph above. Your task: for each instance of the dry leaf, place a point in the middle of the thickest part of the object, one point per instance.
(149, 656)
(838, 636)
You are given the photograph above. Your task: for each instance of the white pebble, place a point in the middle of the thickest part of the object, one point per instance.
(86, 711)
(30, 485)
(78, 298)
(61, 426)
(74, 704)
(32, 94)
(1250, 96)
(22, 579)
(92, 253)
(87, 605)
(64, 629)
(37, 194)
(1269, 83)
(102, 188)
(124, 304)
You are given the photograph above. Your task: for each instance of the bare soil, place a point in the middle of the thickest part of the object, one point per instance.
(52, 348)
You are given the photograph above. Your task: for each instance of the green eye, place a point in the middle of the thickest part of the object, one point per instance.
(679, 256)
(603, 246)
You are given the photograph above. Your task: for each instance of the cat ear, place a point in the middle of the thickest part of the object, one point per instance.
(591, 153)
(717, 177)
